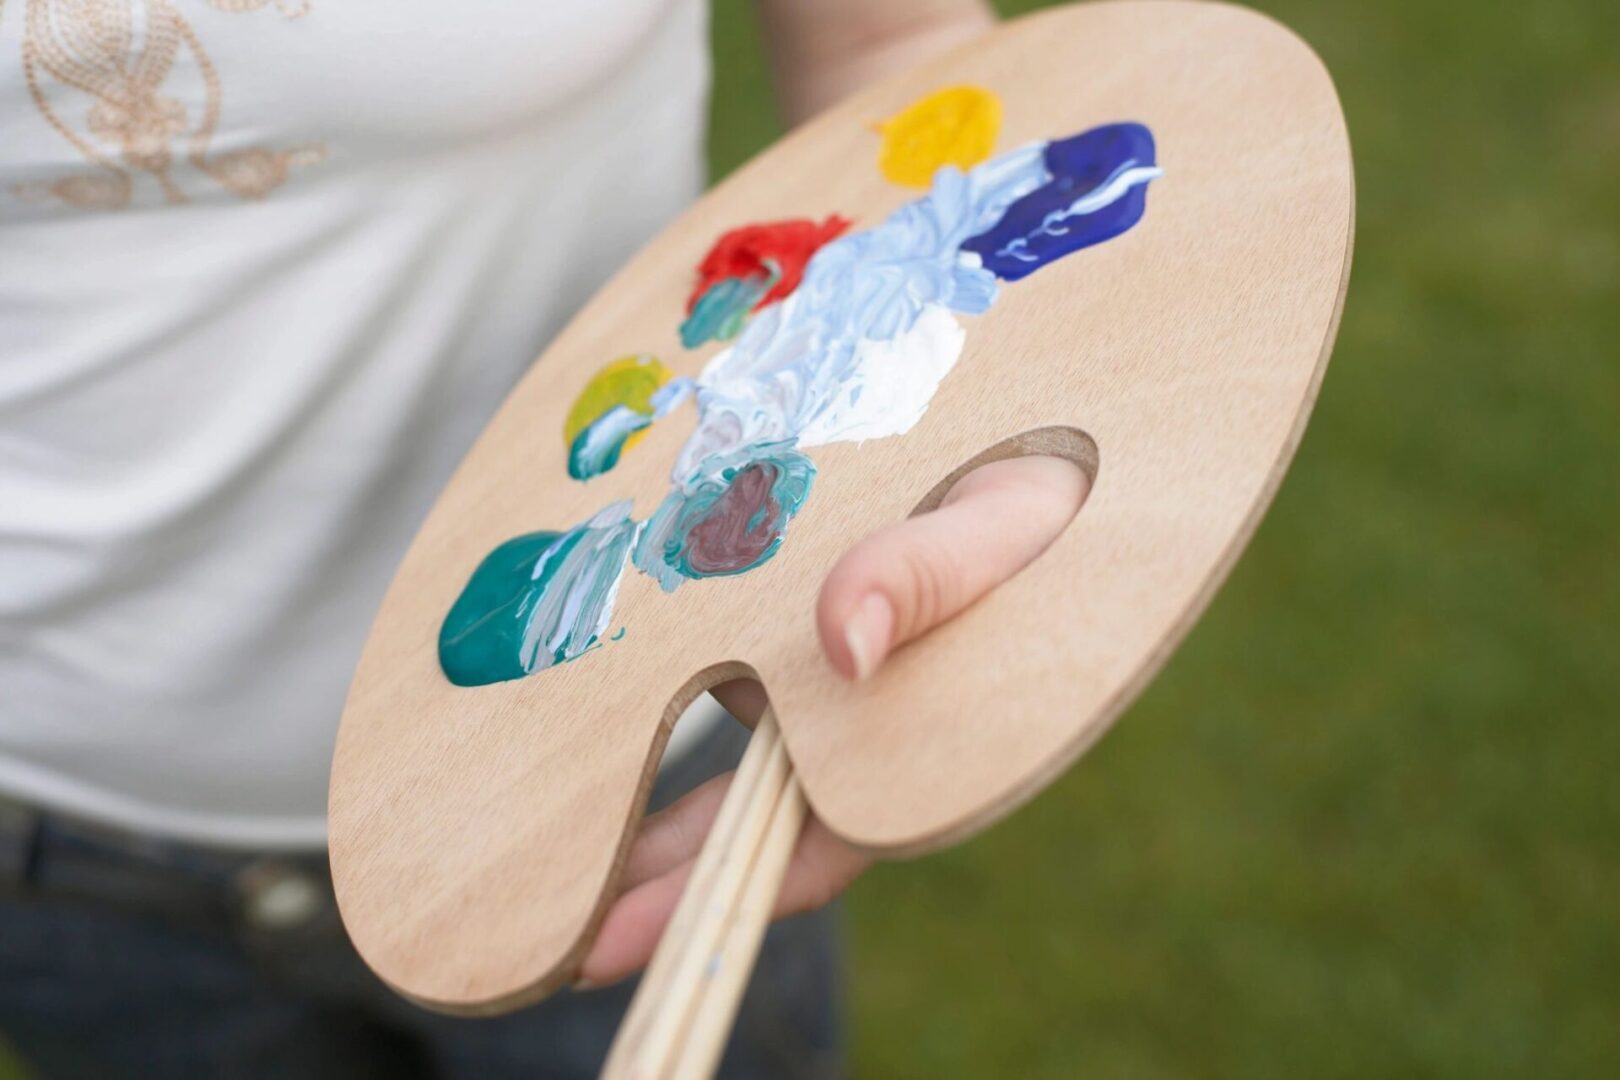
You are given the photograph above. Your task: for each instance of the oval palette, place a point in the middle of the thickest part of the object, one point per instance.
(1139, 267)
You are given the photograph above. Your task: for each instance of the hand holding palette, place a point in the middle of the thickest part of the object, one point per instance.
(1118, 232)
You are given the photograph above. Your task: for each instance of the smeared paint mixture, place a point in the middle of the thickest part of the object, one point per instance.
(618, 404)
(730, 517)
(848, 343)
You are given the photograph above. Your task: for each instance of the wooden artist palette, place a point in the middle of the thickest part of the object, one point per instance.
(477, 831)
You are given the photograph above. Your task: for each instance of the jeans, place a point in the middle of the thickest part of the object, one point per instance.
(121, 956)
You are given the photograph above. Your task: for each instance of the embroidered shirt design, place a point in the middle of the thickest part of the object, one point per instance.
(113, 78)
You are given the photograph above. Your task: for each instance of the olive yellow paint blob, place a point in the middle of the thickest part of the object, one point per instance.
(630, 381)
(954, 126)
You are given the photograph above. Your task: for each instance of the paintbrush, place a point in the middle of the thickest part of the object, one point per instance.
(683, 1010)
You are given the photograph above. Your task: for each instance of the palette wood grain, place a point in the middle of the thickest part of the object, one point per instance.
(477, 833)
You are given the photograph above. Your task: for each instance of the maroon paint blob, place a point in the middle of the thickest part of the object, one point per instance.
(740, 527)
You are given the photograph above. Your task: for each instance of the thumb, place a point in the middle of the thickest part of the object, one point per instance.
(906, 578)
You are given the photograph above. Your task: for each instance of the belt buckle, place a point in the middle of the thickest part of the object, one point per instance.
(277, 896)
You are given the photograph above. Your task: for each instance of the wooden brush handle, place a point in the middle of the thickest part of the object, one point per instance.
(682, 1012)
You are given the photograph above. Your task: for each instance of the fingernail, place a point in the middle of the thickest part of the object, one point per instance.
(866, 632)
(583, 985)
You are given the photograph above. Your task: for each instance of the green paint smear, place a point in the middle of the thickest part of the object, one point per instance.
(537, 600)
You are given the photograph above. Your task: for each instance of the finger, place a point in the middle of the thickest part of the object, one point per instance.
(907, 578)
(822, 866)
(674, 834)
(632, 928)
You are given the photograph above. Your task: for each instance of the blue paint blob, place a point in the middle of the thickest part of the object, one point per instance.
(730, 518)
(537, 600)
(1097, 190)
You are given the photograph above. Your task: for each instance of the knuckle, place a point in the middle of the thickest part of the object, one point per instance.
(931, 579)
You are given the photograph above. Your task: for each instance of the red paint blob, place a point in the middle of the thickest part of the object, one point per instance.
(741, 253)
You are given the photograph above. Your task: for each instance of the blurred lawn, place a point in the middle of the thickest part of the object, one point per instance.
(1368, 822)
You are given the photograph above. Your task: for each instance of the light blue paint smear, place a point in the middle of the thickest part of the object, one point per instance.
(596, 449)
(537, 600)
(730, 518)
(858, 349)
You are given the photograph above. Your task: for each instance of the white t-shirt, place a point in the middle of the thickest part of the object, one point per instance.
(266, 269)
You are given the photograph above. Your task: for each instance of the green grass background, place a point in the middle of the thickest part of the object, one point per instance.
(1367, 823)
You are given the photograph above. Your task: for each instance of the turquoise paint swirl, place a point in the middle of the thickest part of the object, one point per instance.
(723, 308)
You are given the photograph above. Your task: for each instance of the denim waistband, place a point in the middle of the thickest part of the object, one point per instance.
(52, 858)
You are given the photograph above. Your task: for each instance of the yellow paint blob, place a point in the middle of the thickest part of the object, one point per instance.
(630, 381)
(955, 126)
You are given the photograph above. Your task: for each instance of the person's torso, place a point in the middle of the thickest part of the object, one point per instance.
(266, 267)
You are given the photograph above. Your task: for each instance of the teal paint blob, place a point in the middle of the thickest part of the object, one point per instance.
(596, 449)
(723, 308)
(537, 600)
(728, 518)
